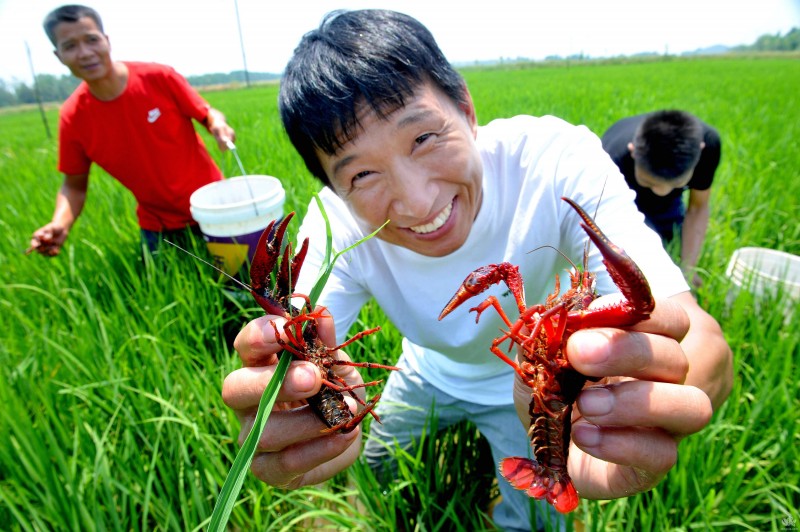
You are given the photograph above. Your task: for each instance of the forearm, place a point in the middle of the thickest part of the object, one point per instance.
(213, 119)
(217, 125)
(69, 203)
(710, 357)
(692, 236)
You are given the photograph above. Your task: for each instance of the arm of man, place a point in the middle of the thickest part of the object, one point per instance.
(70, 200)
(676, 368)
(217, 125)
(695, 224)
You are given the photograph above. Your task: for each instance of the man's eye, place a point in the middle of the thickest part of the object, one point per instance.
(361, 174)
(422, 138)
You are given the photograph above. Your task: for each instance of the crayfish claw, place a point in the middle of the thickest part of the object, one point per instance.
(482, 279)
(623, 271)
(265, 259)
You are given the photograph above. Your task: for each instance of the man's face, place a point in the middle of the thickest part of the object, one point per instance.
(660, 186)
(84, 49)
(419, 168)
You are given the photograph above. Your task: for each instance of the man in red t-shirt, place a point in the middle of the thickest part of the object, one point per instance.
(135, 121)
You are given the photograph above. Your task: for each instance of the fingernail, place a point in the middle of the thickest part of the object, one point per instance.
(595, 402)
(352, 435)
(586, 435)
(592, 346)
(304, 377)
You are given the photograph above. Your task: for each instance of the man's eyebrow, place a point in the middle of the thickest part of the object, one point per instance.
(413, 118)
(344, 161)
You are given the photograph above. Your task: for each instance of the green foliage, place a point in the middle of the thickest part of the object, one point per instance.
(237, 76)
(112, 367)
(775, 43)
(51, 89)
(57, 88)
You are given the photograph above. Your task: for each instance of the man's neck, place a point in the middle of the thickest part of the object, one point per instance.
(112, 85)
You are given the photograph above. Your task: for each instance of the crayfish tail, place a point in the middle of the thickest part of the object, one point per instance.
(540, 482)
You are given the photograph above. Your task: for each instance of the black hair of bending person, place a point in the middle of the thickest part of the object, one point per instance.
(668, 143)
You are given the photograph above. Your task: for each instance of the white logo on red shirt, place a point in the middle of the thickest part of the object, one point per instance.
(153, 114)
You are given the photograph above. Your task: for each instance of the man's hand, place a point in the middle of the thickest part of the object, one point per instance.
(292, 452)
(48, 240)
(219, 128)
(626, 427)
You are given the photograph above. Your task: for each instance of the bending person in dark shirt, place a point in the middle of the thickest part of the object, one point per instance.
(662, 154)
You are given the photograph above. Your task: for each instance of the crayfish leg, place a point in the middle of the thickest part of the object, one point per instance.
(368, 365)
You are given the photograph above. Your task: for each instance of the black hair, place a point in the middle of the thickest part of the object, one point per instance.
(369, 59)
(668, 143)
(68, 13)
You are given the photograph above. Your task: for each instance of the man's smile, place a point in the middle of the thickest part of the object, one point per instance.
(437, 222)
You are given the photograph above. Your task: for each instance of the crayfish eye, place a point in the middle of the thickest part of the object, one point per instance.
(471, 281)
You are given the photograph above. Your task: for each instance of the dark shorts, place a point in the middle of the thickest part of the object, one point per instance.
(667, 224)
(185, 238)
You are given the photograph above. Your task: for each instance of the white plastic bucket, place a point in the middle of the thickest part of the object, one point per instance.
(233, 213)
(766, 273)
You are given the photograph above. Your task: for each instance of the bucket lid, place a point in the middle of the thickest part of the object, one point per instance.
(238, 192)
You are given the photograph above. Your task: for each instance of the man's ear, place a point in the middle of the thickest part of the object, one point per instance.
(631, 149)
(468, 108)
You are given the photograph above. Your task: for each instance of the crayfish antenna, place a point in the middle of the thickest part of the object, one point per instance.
(231, 277)
(566, 258)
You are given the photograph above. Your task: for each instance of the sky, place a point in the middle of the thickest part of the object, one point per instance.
(202, 36)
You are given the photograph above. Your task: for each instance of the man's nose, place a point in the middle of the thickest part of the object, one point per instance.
(412, 193)
(84, 49)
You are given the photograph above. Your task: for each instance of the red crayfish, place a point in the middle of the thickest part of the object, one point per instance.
(274, 296)
(542, 331)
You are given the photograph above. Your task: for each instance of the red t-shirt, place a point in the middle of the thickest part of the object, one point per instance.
(145, 138)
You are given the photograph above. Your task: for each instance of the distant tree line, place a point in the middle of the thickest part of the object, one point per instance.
(774, 43)
(57, 88)
(51, 89)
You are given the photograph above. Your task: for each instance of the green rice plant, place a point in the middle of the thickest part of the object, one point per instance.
(233, 483)
(112, 364)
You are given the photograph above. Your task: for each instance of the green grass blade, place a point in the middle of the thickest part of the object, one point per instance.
(241, 464)
(327, 266)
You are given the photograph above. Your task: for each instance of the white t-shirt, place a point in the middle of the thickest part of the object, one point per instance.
(528, 164)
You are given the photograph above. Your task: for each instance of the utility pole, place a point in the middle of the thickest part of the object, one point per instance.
(36, 92)
(241, 43)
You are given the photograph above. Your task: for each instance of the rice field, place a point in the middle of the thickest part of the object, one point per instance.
(112, 364)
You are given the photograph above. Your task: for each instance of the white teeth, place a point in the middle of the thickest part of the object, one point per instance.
(439, 221)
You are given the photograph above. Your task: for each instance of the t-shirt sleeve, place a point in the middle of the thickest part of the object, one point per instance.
(703, 174)
(72, 158)
(188, 99)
